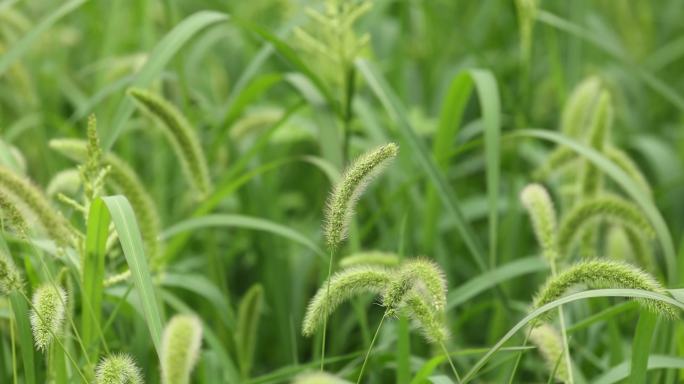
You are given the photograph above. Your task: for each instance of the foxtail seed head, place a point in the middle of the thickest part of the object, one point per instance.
(622, 160)
(26, 196)
(428, 319)
(10, 278)
(343, 286)
(118, 369)
(539, 206)
(318, 378)
(550, 345)
(609, 207)
(183, 138)
(47, 315)
(180, 348)
(604, 274)
(340, 206)
(422, 278)
(579, 107)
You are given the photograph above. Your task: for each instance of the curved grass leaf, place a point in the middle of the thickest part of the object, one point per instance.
(622, 371)
(397, 112)
(632, 293)
(159, 57)
(629, 186)
(241, 221)
(129, 236)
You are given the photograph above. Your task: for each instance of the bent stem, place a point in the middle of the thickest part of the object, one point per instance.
(370, 348)
(564, 334)
(451, 362)
(325, 319)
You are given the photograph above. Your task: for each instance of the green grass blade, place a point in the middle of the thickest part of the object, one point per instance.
(18, 49)
(631, 293)
(126, 226)
(622, 371)
(246, 333)
(93, 276)
(159, 58)
(493, 277)
(397, 112)
(241, 221)
(630, 187)
(641, 346)
(21, 319)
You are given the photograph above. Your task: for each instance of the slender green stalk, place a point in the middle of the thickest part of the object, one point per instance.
(451, 362)
(370, 348)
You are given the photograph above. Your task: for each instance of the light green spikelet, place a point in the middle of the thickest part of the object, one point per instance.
(590, 179)
(608, 207)
(340, 205)
(93, 171)
(343, 286)
(12, 158)
(183, 139)
(181, 344)
(378, 258)
(527, 11)
(421, 277)
(125, 181)
(556, 162)
(118, 369)
(604, 274)
(579, 108)
(624, 243)
(10, 277)
(11, 216)
(622, 160)
(66, 182)
(539, 206)
(429, 320)
(47, 315)
(550, 345)
(29, 198)
(318, 378)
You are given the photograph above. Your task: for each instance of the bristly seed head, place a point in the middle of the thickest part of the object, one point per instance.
(550, 346)
(181, 344)
(118, 369)
(47, 315)
(539, 206)
(340, 206)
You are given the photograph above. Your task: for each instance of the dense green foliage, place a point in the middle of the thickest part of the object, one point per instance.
(216, 222)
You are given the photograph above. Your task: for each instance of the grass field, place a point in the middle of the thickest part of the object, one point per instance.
(341, 191)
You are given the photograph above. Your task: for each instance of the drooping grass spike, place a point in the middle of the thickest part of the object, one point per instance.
(183, 139)
(625, 243)
(378, 258)
(10, 277)
(125, 181)
(343, 286)
(319, 378)
(604, 274)
(577, 112)
(340, 205)
(118, 369)
(602, 121)
(608, 207)
(11, 216)
(420, 277)
(47, 315)
(181, 344)
(550, 345)
(622, 160)
(29, 199)
(429, 320)
(539, 206)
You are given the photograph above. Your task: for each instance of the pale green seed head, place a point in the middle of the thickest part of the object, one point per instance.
(429, 320)
(579, 108)
(550, 345)
(118, 369)
(421, 277)
(539, 206)
(343, 286)
(611, 208)
(340, 206)
(604, 274)
(10, 277)
(180, 349)
(47, 316)
(318, 378)
(378, 258)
